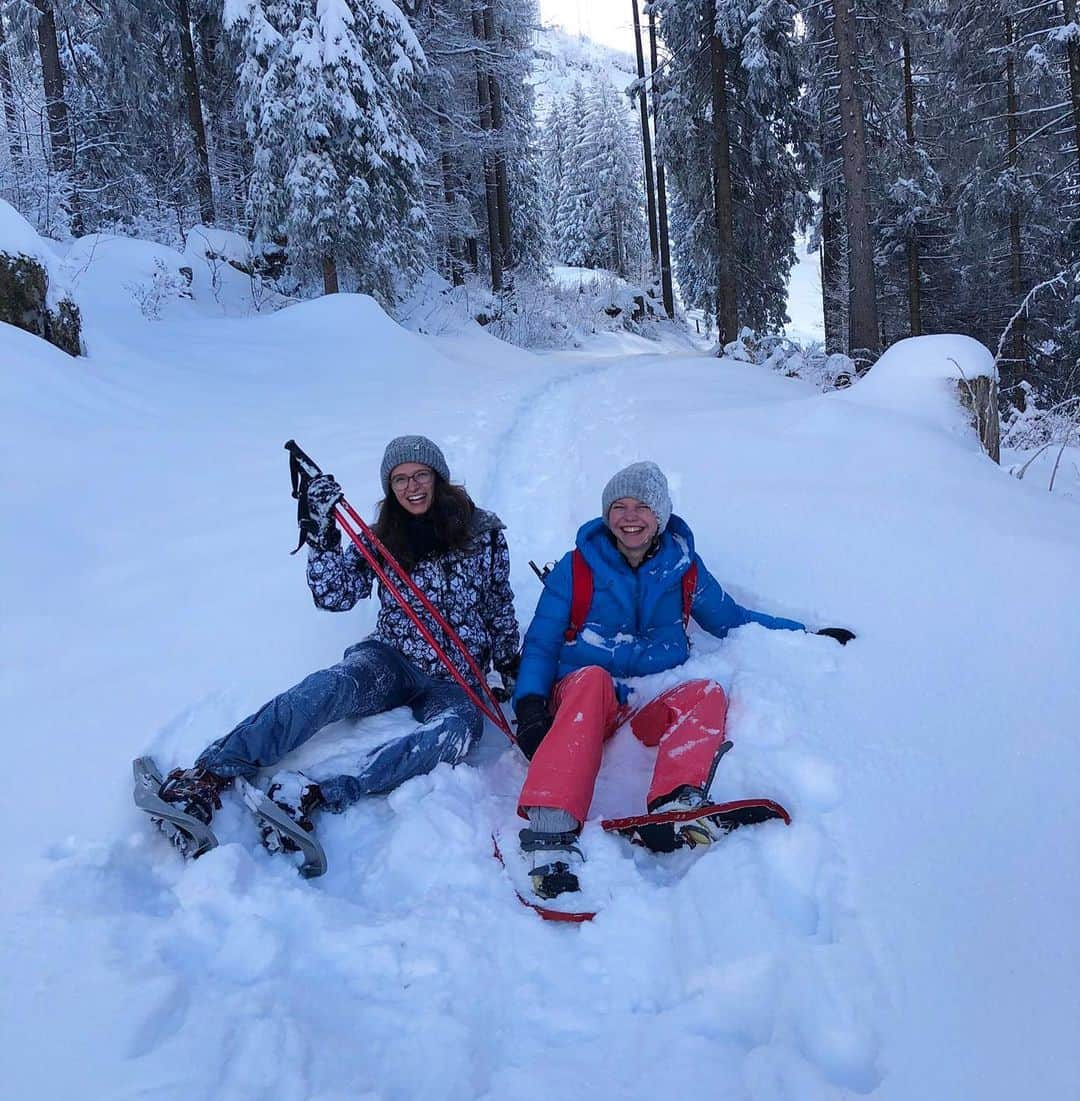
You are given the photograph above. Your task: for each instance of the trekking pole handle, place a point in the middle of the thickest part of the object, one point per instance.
(302, 459)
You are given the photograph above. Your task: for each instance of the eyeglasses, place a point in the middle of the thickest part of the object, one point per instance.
(421, 478)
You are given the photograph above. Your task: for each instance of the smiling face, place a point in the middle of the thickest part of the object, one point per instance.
(413, 485)
(634, 526)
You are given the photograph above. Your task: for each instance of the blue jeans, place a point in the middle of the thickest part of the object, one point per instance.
(371, 677)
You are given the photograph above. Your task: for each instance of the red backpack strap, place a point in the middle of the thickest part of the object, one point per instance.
(689, 584)
(580, 594)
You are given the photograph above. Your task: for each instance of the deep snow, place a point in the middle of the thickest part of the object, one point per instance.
(912, 934)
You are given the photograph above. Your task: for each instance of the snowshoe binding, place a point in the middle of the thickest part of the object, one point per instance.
(182, 805)
(552, 855)
(284, 813)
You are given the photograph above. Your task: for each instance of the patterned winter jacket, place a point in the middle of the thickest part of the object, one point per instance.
(470, 586)
(634, 625)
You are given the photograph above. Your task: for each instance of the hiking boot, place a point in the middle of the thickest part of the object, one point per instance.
(684, 797)
(668, 836)
(297, 795)
(552, 855)
(197, 791)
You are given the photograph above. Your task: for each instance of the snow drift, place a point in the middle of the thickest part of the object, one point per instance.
(912, 932)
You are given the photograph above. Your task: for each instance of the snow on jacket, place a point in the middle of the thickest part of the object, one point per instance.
(634, 625)
(469, 586)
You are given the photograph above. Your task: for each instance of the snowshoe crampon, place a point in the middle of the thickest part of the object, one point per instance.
(666, 831)
(190, 835)
(291, 836)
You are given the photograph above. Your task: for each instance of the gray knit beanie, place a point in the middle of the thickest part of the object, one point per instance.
(412, 449)
(645, 482)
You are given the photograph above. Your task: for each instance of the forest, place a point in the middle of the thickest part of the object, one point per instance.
(930, 149)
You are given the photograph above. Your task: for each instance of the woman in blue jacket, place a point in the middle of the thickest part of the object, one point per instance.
(646, 579)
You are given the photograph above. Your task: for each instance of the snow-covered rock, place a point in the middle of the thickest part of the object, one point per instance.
(210, 243)
(31, 297)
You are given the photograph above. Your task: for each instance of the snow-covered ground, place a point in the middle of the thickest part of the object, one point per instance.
(911, 934)
(807, 326)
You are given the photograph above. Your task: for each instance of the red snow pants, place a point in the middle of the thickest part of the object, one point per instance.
(685, 722)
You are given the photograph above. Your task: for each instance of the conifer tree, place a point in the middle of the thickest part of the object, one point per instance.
(755, 187)
(592, 181)
(336, 168)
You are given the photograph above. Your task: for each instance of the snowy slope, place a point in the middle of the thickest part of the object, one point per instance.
(912, 934)
(561, 60)
(807, 324)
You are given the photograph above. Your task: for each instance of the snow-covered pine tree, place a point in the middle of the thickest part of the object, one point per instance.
(615, 226)
(571, 204)
(478, 49)
(514, 23)
(763, 198)
(134, 93)
(906, 192)
(972, 173)
(218, 61)
(44, 172)
(592, 173)
(1011, 170)
(326, 94)
(135, 115)
(554, 138)
(443, 120)
(839, 79)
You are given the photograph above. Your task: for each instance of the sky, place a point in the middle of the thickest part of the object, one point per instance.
(606, 21)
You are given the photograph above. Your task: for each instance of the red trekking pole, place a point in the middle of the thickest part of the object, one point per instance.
(303, 468)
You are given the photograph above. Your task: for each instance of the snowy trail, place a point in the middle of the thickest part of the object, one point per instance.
(825, 960)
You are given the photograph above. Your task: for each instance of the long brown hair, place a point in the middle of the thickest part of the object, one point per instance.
(451, 516)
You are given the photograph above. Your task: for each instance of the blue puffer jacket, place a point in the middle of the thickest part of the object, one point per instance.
(634, 626)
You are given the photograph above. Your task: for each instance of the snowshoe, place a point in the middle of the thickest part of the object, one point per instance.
(182, 805)
(284, 818)
(673, 828)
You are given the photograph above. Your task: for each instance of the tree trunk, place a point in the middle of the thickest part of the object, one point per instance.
(727, 306)
(502, 187)
(832, 272)
(979, 397)
(914, 289)
(457, 274)
(1016, 285)
(329, 275)
(666, 286)
(7, 92)
(491, 187)
(646, 142)
(1073, 50)
(832, 276)
(52, 75)
(195, 113)
(862, 288)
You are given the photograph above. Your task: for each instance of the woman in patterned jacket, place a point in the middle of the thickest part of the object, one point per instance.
(457, 556)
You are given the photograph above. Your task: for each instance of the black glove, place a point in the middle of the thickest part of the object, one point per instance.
(317, 504)
(840, 634)
(507, 671)
(533, 723)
